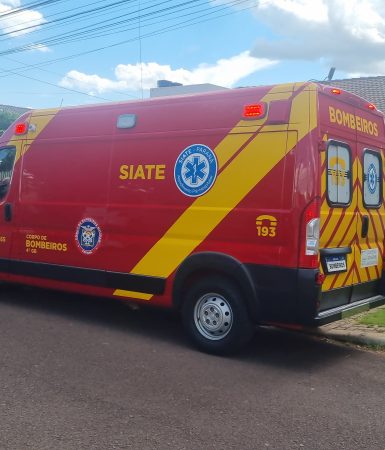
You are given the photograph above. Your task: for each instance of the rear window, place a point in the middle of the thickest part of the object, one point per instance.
(339, 178)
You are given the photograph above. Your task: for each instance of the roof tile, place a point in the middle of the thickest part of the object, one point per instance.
(369, 88)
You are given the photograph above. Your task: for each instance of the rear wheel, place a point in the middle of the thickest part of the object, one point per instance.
(215, 316)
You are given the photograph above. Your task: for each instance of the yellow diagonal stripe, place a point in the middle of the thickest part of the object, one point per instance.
(245, 129)
(133, 294)
(190, 230)
(236, 180)
(40, 119)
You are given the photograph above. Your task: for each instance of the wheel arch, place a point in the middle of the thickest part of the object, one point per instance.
(202, 265)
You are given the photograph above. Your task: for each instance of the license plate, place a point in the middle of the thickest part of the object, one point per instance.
(336, 263)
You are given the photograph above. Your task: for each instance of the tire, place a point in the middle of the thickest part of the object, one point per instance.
(215, 316)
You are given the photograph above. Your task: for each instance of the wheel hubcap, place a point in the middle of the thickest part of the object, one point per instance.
(213, 316)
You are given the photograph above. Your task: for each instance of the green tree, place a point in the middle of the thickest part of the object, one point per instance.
(6, 118)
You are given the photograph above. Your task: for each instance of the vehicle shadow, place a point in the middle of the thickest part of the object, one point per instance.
(271, 346)
(295, 350)
(105, 312)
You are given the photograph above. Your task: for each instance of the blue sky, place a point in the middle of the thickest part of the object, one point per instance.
(226, 42)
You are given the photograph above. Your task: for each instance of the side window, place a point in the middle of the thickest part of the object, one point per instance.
(339, 174)
(126, 121)
(372, 177)
(7, 160)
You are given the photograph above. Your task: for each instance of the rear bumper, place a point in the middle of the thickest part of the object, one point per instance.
(292, 296)
(344, 311)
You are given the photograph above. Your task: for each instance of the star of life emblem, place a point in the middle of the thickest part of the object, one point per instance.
(195, 170)
(372, 179)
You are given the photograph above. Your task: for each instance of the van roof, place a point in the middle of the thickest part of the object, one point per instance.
(343, 95)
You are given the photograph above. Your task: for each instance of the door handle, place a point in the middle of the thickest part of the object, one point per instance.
(8, 212)
(365, 226)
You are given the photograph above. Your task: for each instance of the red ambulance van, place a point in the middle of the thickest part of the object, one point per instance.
(246, 206)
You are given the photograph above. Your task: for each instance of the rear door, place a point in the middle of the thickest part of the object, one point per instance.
(368, 249)
(338, 221)
(352, 211)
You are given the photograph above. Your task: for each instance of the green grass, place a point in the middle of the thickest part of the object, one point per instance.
(375, 318)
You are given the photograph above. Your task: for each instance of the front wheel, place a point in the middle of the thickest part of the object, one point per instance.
(215, 316)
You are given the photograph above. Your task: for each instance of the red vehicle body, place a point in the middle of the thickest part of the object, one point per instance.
(245, 206)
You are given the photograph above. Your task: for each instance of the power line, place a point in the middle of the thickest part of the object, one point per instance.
(77, 17)
(179, 26)
(155, 33)
(86, 31)
(65, 19)
(70, 16)
(56, 85)
(28, 7)
(173, 27)
(140, 48)
(101, 24)
(91, 34)
(55, 73)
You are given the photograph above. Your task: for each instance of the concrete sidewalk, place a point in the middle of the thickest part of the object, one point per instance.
(349, 330)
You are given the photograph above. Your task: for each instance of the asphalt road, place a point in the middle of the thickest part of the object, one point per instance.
(89, 373)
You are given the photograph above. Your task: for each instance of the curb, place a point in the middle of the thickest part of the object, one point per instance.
(355, 337)
(351, 331)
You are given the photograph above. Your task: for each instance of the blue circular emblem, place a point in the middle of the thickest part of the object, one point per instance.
(372, 179)
(88, 236)
(195, 170)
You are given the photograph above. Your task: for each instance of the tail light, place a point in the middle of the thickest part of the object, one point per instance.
(310, 234)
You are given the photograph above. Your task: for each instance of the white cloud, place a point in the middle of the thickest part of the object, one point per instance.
(11, 3)
(23, 19)
(91, 84)
(225, 72)
(347, 34)
(313, 11)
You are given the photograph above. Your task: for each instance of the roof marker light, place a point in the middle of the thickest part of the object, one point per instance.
(256, 110)
(371, 106)
(336, 91)
(21, 128)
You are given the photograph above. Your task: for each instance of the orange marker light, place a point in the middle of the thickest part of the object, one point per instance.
(371, 106)
(336, 91)
(320, 278)
(21, 128)
(255, 110)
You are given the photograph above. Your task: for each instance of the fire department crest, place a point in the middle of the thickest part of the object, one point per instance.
(195, 170)
(88, 236)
